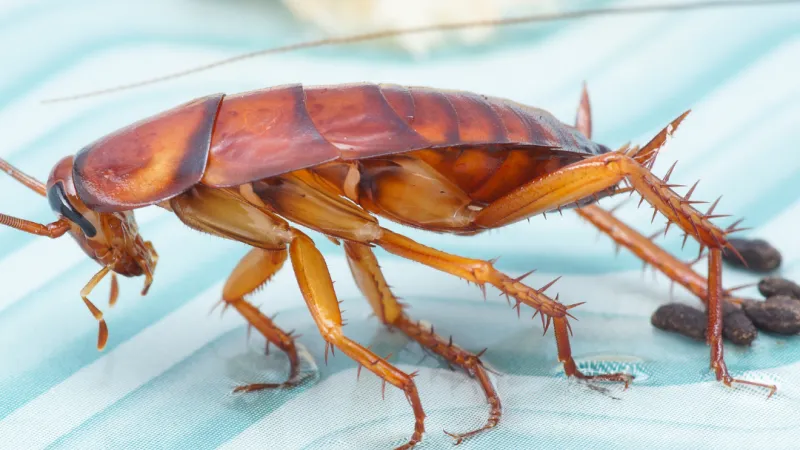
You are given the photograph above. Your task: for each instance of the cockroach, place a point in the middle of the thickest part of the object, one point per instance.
(249, 167)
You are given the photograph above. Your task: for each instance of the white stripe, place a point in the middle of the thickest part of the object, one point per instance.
(33, 259)
(117, 373)
(736, 105)
(145, 356)
(374, 423)
(160, 346)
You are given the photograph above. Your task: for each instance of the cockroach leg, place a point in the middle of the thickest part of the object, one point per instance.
(561, 330)
(254, 270)
(634, 241)
(595, 174)
(102, 336)
(473, 270)
(323, 210)
(149, 269)
(736, 327)
(316, 285)
(714, 334)
(649, 252)
(373, 285)
(482, 272)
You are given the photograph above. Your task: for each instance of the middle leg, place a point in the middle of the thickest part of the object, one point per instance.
(370, 280)
(481, 272)
(316, 285)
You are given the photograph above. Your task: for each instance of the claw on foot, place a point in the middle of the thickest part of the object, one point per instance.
(610, 377)
(728, 380)
(296, 381)
(459, 437)
(561, 327)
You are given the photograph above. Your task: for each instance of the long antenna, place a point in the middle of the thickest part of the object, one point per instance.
(23, 178)
(567, 15)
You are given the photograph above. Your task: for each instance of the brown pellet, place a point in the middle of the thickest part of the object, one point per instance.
(681, 319)
(736, 326)
(758, 253)
(772, 286)
(779, 314)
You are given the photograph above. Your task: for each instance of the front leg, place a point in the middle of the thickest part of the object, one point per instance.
(252, 272)
(102, 335)
(228, 214)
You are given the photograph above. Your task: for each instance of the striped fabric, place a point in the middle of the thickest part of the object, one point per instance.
(165, 379)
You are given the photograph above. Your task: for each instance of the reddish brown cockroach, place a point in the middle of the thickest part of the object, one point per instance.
(332, 158)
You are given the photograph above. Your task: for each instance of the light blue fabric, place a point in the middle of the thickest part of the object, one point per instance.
(165, 379)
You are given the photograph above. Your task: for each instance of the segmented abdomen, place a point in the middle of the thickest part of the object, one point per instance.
(266, 133)
(224, 140)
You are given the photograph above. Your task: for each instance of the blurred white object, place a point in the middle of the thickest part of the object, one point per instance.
(342, 17)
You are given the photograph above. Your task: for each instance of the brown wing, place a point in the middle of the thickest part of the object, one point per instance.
(242, 138)
(149, 161)
(265, 133)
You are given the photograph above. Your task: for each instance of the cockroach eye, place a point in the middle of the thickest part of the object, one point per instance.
(60, 205)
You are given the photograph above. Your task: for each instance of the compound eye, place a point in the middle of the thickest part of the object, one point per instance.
(59, 203)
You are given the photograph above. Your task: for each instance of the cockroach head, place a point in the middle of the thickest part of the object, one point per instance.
(110, 238)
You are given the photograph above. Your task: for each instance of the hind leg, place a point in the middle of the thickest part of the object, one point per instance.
(600, 173)
(709, 290)
(677, 270)
(644, 248)
(370, 279)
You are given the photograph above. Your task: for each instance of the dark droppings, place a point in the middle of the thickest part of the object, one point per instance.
(779, 314)
(772, 286)
(681, 319)
(758, 253)
(736, 326)
(692, 323)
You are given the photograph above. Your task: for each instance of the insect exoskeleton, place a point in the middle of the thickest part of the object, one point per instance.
(249, 167)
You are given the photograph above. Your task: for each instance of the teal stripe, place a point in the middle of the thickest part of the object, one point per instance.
(201, 383)
(176, 282)
(50, 336)
(694, 90)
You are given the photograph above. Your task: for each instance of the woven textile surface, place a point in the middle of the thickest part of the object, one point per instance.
(166, 376)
